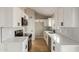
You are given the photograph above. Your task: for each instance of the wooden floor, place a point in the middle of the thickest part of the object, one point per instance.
(39, 45)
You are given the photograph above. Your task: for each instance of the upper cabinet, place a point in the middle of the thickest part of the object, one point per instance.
(60, 13)
(58, 17)
(69, 17)
(6, 16)
(54, 16)
(11, 16)
(18, 13)
(64, 16)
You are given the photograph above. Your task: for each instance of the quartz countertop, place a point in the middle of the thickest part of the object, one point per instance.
(49, 33)
(66, 40)
(62, 39)
(15, 39)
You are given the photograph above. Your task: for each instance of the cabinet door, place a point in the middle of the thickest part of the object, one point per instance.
(68, 17)
(46, 37)
(54, 16)
(17, 14)
(1, 17)
(5, 16)
(57, 18)
(60, 13)
(8, 13)
(69, 48)
(60, 16)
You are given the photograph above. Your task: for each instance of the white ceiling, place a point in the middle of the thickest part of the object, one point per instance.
(47, 11)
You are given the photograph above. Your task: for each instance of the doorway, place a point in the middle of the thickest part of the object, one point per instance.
(39, 29)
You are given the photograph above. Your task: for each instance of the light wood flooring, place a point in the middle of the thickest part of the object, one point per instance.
(39, 45)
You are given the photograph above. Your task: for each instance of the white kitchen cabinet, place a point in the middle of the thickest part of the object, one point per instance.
(16, 44)
(60, 13)
(31, 22)
(54, 16)
(11, 16)
(55, 47)
(6, 16)
(64, 43)
(68, 17)
(58, 17)
(0, 36)
(46, 37)
(65, 15)
(70, 48)
(53, 44)
(17, 14)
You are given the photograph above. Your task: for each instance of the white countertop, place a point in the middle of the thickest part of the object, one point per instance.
(62, 39)
(15, 39)
(48, 33)
(67, 41)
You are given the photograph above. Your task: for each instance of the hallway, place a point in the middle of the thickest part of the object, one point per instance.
(39, 45)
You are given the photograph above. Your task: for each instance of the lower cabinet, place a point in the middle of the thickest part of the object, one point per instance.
(55, 47)
(69, 48)
(14, 46)
(64, 48)
(46, 37)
